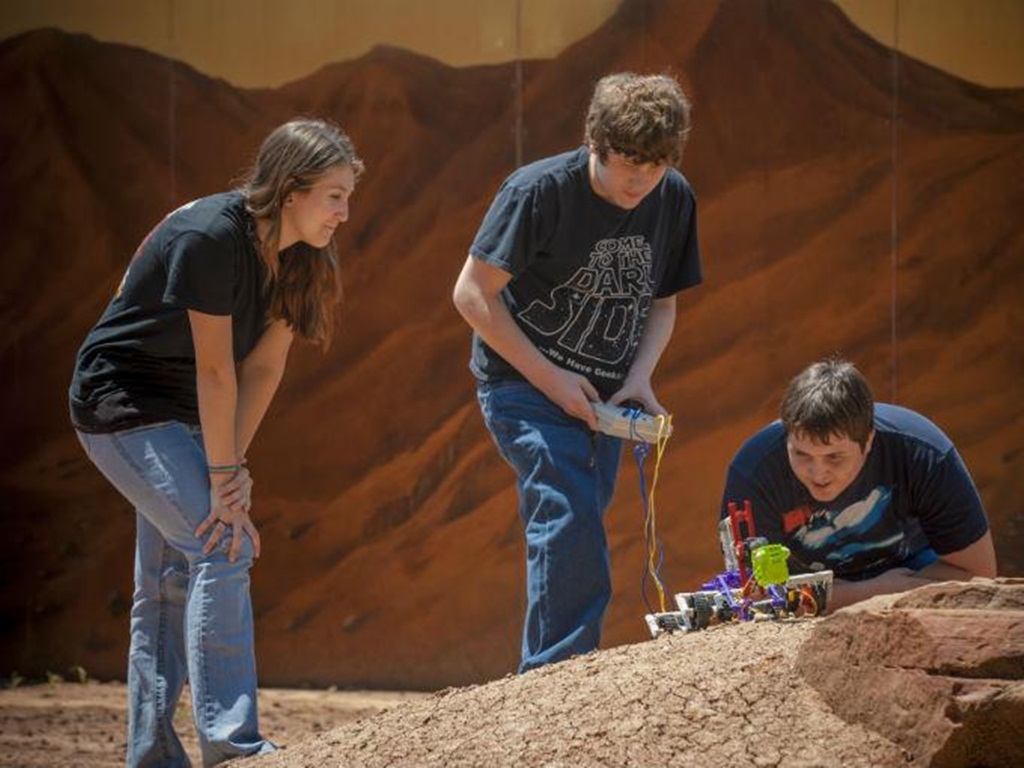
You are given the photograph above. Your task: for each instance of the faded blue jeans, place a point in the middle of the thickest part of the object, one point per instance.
(566, 478)
(191, 615)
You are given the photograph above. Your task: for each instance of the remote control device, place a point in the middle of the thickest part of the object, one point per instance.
(631, 423)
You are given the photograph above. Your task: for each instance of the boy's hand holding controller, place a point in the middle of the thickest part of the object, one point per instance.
(631, 423)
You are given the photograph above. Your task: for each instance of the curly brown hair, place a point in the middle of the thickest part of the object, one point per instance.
(644, 117)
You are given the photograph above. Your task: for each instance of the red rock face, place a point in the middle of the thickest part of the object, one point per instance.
(391, 545)
(939, 671)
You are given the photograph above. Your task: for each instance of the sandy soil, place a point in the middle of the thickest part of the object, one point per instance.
(730, 696)
(83, 725)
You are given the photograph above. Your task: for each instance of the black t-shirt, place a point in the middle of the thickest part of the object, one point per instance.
(584, 271)
(137, 365)
(913, 494)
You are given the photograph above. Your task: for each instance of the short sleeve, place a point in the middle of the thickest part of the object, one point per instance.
(201, 274)
(507, 237)
(950, 510)
(739, 489)
(684, 271)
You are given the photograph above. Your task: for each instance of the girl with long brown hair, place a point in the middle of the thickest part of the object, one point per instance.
(168, 391)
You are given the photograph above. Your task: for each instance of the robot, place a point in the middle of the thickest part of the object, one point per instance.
(755, 585)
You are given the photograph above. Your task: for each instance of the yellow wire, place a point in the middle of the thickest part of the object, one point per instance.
(664, 430)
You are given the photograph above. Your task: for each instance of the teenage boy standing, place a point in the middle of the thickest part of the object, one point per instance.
(570, 288)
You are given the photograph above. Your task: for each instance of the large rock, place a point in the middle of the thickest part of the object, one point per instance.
(939, 670)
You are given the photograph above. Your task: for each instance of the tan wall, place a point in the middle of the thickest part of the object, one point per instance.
(258, 43)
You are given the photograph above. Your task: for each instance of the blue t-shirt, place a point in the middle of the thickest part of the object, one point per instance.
(584, 271)
(913, 498)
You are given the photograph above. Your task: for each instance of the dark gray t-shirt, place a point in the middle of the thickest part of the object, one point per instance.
(137, 365)
(584, 271)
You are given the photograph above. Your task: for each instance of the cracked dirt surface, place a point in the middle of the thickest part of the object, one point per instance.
(754, 694)
(730, 696)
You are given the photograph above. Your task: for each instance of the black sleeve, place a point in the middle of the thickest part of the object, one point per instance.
(767, 516)
(684, 270)
(508, 236)
(201, 274)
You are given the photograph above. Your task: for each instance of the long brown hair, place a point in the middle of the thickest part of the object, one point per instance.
(304, 282)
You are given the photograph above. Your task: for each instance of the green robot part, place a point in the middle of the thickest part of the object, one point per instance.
(770, 566)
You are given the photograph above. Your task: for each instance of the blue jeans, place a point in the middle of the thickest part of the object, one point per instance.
(191, 615)
(566, 478)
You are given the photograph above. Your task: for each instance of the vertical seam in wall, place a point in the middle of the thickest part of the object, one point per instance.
(172, 97)
(894, 213)
(518, 125)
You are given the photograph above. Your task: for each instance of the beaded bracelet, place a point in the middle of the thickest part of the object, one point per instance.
(221, 469)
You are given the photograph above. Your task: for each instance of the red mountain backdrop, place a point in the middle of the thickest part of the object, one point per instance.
(850, 200)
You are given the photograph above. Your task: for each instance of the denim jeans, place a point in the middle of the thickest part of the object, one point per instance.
(566, 478)
(191, 614)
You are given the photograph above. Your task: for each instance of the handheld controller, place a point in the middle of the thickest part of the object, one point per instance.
(631, 423)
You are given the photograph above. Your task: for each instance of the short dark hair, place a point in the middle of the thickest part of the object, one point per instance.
(829, 399)
(644, 117)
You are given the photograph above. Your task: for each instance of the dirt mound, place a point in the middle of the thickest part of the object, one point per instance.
(728, 696)
(931, 677)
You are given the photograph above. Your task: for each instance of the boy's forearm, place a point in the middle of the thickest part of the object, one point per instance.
(660, 325)
(891, 582)
(489, 317)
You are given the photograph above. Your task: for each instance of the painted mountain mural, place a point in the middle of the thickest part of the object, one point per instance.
(850, 199)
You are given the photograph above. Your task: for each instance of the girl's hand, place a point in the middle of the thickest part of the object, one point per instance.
(221, 516)
(236, 493)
